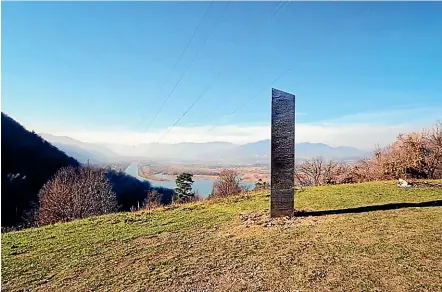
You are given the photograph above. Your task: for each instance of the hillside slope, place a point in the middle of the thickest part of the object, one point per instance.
(230, 245)
(81, 151)
(28, 161)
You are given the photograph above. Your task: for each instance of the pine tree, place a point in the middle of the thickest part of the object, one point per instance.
(259, 184)
(184, 187)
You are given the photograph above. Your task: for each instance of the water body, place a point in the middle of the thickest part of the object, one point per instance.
(202, 186)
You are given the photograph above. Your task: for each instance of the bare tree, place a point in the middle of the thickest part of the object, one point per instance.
(434, 153)
(75, 192)
(228, 183)
(310, 172)
(412, 155)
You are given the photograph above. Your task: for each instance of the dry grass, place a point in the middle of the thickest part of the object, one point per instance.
(210, 246)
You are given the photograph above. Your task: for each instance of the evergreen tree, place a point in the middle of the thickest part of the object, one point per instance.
(259, 184)
(183, 190)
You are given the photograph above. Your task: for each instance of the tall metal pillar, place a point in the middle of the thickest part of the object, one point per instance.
(283, 154)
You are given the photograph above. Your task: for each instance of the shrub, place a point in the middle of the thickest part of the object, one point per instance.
(227, 184)
(261, 185)
(153, 200)
(413, 155)
(197, 198)
(75, 192)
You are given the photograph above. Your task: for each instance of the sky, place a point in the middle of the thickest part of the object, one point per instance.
(140, 72)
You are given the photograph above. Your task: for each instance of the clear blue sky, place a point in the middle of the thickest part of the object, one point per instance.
(101, 65)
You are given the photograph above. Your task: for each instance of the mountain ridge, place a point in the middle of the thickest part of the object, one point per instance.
(214, 151)
(82, 151)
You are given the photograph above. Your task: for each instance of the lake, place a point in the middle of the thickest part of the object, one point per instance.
(202, 186)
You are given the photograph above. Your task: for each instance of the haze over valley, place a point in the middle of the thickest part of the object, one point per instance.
(210, 152)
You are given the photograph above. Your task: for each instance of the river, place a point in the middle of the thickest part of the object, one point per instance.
(203, 186)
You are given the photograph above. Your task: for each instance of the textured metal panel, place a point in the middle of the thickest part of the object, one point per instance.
(283, 154)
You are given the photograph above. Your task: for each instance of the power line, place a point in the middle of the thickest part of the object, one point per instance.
(243, 104)
(251, 98)
(281, 5)
(183, 114)
(184, 50)
(203, 93)
(183, 74)
(277, 9)
(254, 96)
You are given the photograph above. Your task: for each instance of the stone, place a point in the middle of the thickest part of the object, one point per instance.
(403, 184)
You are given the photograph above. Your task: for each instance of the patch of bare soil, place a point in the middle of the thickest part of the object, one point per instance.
(263, 219)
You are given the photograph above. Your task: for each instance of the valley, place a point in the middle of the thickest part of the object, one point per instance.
(248, 173)
(209, 155)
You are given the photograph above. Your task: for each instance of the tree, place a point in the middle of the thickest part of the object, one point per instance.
(184, 187)
(318, 171)
(434, 153)
(261, 185)
(27, 163)
(76, 192)
(227, 184)
(311, 172)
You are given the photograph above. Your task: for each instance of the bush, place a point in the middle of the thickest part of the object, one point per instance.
(261, 185)
(153, 200)
(197, 198)
(411, 156)
(227, 184)
(75, 192)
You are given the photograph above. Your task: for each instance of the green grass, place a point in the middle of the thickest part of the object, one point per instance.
(205, 246)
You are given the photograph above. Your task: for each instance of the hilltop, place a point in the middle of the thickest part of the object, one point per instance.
(230, 245)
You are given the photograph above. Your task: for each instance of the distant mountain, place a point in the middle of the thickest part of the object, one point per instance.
(257, 148)
(210, 152)
(177, 152)
(309, 150)
(95, 153)
(260, 151)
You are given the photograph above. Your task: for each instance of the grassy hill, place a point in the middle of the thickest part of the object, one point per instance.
(231, 245)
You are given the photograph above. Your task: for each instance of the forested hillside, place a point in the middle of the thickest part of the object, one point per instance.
(28, 162)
